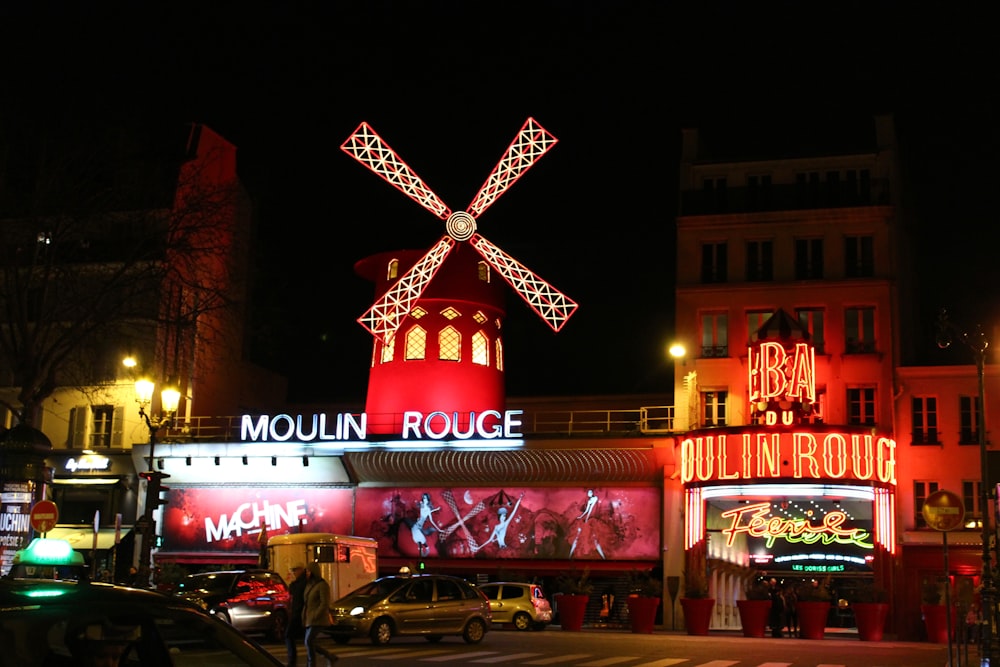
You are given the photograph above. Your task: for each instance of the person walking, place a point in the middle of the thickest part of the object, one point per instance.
(295, 630)
(315, 610)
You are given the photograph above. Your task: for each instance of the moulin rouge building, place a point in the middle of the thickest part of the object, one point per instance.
(798, 443)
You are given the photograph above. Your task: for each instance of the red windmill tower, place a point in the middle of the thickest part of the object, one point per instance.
(438, 346)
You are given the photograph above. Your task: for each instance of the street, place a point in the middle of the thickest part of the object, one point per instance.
(603, 648)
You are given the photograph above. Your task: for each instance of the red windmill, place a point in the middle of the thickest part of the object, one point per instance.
(466, 310)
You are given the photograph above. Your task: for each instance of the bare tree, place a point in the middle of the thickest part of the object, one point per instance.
(108, 247)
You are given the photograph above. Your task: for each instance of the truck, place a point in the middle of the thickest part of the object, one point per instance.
(346, 561)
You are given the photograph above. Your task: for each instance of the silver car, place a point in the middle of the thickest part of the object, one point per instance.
(428, 605)
(522, 605)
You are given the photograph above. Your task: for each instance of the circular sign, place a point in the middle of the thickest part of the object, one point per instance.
(44, 515)
(944, 510)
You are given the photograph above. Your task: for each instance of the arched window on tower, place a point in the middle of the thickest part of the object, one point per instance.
(484, 272)
(480, 349)
(392, 271)
(450, 344)
(499, 354)
(416, 343)
(387, 347)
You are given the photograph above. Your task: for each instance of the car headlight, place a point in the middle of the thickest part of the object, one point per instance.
(357, 611)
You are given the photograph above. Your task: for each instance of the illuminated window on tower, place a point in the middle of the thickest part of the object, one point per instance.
(392, 271)
(480, 349)
(499, 355)
(416, 343)
(449, 344)
(390, 340)
(450, 313)
(484, 272)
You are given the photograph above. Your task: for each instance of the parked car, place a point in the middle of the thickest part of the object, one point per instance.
(523, 605)
(252, 601)
(431, 605)
(49, 622)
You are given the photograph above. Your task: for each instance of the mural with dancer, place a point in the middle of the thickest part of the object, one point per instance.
(588, 523)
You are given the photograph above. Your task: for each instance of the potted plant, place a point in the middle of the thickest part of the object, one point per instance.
(813, 607)
(871, 607)
(574, 589)
(755, 607)
(696, 603)
(934, 611)
(645, 592)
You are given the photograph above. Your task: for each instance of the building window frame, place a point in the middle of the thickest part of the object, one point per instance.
(714, 334)
(862, 405)
(924, 424)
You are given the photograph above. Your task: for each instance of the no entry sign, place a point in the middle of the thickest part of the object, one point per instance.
(44, 516)
(944, 510)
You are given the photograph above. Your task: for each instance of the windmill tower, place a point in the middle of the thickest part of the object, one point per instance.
(437, 326)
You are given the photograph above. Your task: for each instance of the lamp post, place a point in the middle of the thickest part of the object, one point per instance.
(169, 399)
(978, 343)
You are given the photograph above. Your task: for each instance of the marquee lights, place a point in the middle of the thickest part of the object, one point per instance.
(756, 521)
(757, 455)
(487, 425)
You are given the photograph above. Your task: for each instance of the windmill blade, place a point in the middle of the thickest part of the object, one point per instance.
(386, 314)
(530, 144)
(551, 305)
(370, 150)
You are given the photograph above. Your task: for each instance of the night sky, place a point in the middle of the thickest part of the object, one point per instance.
(448, 84)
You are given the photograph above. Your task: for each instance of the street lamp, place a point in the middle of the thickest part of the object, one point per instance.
(978, 343)
(169, 399)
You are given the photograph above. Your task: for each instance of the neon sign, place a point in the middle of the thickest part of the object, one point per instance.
(734, 454)
(755, 521)
(488, 424)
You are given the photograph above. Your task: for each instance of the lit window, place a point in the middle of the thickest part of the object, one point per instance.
(416, 343)
(450, 313)
(484, 272)
(417, 312)
(392, 270)
(480, 349)
(499, 354)
(450, 344)
(971, 495)
(103, 416)
(390, 340)
(479, 317)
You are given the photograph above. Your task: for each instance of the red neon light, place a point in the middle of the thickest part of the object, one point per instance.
(776, 375)
(755, 521)
(792, 454)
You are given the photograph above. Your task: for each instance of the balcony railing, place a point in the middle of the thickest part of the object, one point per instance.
(649, 420)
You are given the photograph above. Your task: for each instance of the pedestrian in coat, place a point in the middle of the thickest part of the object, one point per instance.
(316, 610)
(295, 630)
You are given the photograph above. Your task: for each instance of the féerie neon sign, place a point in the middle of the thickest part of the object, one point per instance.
(755, 521)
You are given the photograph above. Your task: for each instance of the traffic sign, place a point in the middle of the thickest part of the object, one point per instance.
(44, 516)
(944, 510)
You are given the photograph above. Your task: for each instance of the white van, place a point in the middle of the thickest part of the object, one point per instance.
(346, 561)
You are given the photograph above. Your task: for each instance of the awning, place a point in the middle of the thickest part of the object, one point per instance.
(82, 538)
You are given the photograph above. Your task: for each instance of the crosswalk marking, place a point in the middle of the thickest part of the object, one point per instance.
(666, 662)
(782, 664)
(608, 661)
(559, 658)
(463, 656)
(409, 654)
(724, 663)
(507, 658)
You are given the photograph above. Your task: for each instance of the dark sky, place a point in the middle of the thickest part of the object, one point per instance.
(448, 84)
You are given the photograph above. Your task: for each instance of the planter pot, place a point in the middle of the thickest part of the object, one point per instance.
(812, 618)
(753, 616)
(870, 618)
(697, 614)
(571, 611)
(642, 613)
(936, 622)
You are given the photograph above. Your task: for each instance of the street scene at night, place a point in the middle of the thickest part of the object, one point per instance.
(567, 334)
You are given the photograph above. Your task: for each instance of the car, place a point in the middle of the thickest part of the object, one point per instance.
(428, 605)
(252, 601)
(69, 622)
(522, 605)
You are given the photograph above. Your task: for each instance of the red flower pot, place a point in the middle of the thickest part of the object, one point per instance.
(697, 614)
(753, 616)
(642, 613)
(571, 611)
(936, 622)
(870, 618)
(812, 618)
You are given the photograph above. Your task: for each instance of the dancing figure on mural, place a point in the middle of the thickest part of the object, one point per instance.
(420, 528)
(585, 515)
(499, 534)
